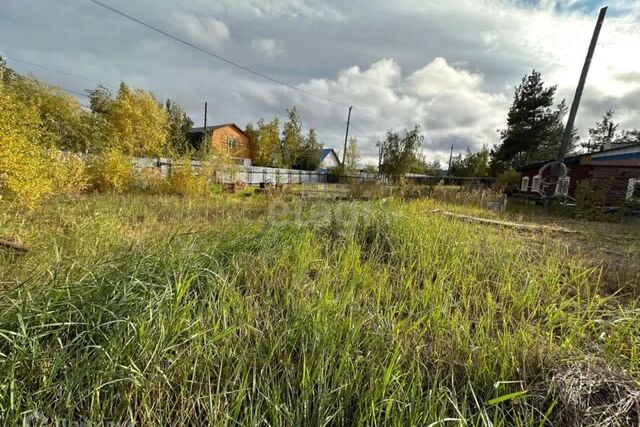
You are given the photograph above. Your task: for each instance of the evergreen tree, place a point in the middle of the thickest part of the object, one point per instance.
(472, 164)
(602, 133)
(534, 126)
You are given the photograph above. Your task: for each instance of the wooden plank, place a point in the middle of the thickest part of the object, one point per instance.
(12, 245)
(516, 225)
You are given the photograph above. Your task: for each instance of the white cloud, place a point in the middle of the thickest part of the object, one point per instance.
(448, 103)
(205, 32)
(269, 48)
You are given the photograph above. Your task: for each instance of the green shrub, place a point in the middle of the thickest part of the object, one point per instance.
(507, 181)
(591, 199)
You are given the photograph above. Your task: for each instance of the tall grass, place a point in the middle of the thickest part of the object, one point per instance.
(338, 314)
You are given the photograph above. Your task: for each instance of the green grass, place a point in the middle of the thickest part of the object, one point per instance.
(245, 311)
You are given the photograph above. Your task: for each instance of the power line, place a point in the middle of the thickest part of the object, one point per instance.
(33, 64)
(214, 55)
(360, 131)
(186, 107)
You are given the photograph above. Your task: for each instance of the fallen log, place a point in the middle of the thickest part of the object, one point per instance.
(12, 245)
(516, 225)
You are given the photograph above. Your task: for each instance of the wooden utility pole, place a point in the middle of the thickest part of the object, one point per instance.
(346, 136)
(204, 129)
(450, 159)
(568, 130)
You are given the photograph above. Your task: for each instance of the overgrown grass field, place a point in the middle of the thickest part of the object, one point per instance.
(157, 310)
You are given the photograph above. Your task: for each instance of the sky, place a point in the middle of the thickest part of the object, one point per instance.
(449, 66)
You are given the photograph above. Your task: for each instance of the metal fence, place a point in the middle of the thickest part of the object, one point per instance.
(255, 175)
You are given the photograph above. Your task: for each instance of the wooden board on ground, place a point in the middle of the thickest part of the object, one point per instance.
(12, 245)
(516, 225)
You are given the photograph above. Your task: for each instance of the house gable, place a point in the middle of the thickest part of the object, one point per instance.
(232, 137)
(225, 135)
(328, 158)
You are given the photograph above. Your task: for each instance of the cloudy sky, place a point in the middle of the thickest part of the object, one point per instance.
(449, 66)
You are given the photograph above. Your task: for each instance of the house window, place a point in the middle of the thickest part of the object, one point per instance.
(231, 142)
(525, 184)
(535, 184)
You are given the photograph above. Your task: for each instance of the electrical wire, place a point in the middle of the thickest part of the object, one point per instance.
(33, 64)
(73, 92)
(214, 55)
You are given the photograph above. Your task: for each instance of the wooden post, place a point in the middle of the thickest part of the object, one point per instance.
(346, 136)
(204, 133)
(568, 130)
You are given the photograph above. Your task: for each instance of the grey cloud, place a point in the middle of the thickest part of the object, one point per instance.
(334, 48)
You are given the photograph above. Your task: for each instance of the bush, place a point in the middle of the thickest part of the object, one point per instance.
(507, 182)
(591, 198)
(150, 180)
(184, 181)
(68, 172)
(25, 180)
(112, 171)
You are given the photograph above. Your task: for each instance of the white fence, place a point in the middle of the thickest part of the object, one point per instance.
(248, 174)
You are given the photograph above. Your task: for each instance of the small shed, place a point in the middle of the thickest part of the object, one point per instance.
(618, 166)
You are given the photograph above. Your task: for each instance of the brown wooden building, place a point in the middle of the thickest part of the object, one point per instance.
(617, 167)
(228, 136)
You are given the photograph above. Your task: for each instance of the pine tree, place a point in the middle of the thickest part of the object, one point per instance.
(602, 133)
(534, 126)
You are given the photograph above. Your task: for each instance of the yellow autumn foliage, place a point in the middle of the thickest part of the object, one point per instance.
(68, 172)
(150, 180)
(185, 181)
(25, 180)
(139, 123)
(112, 171)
